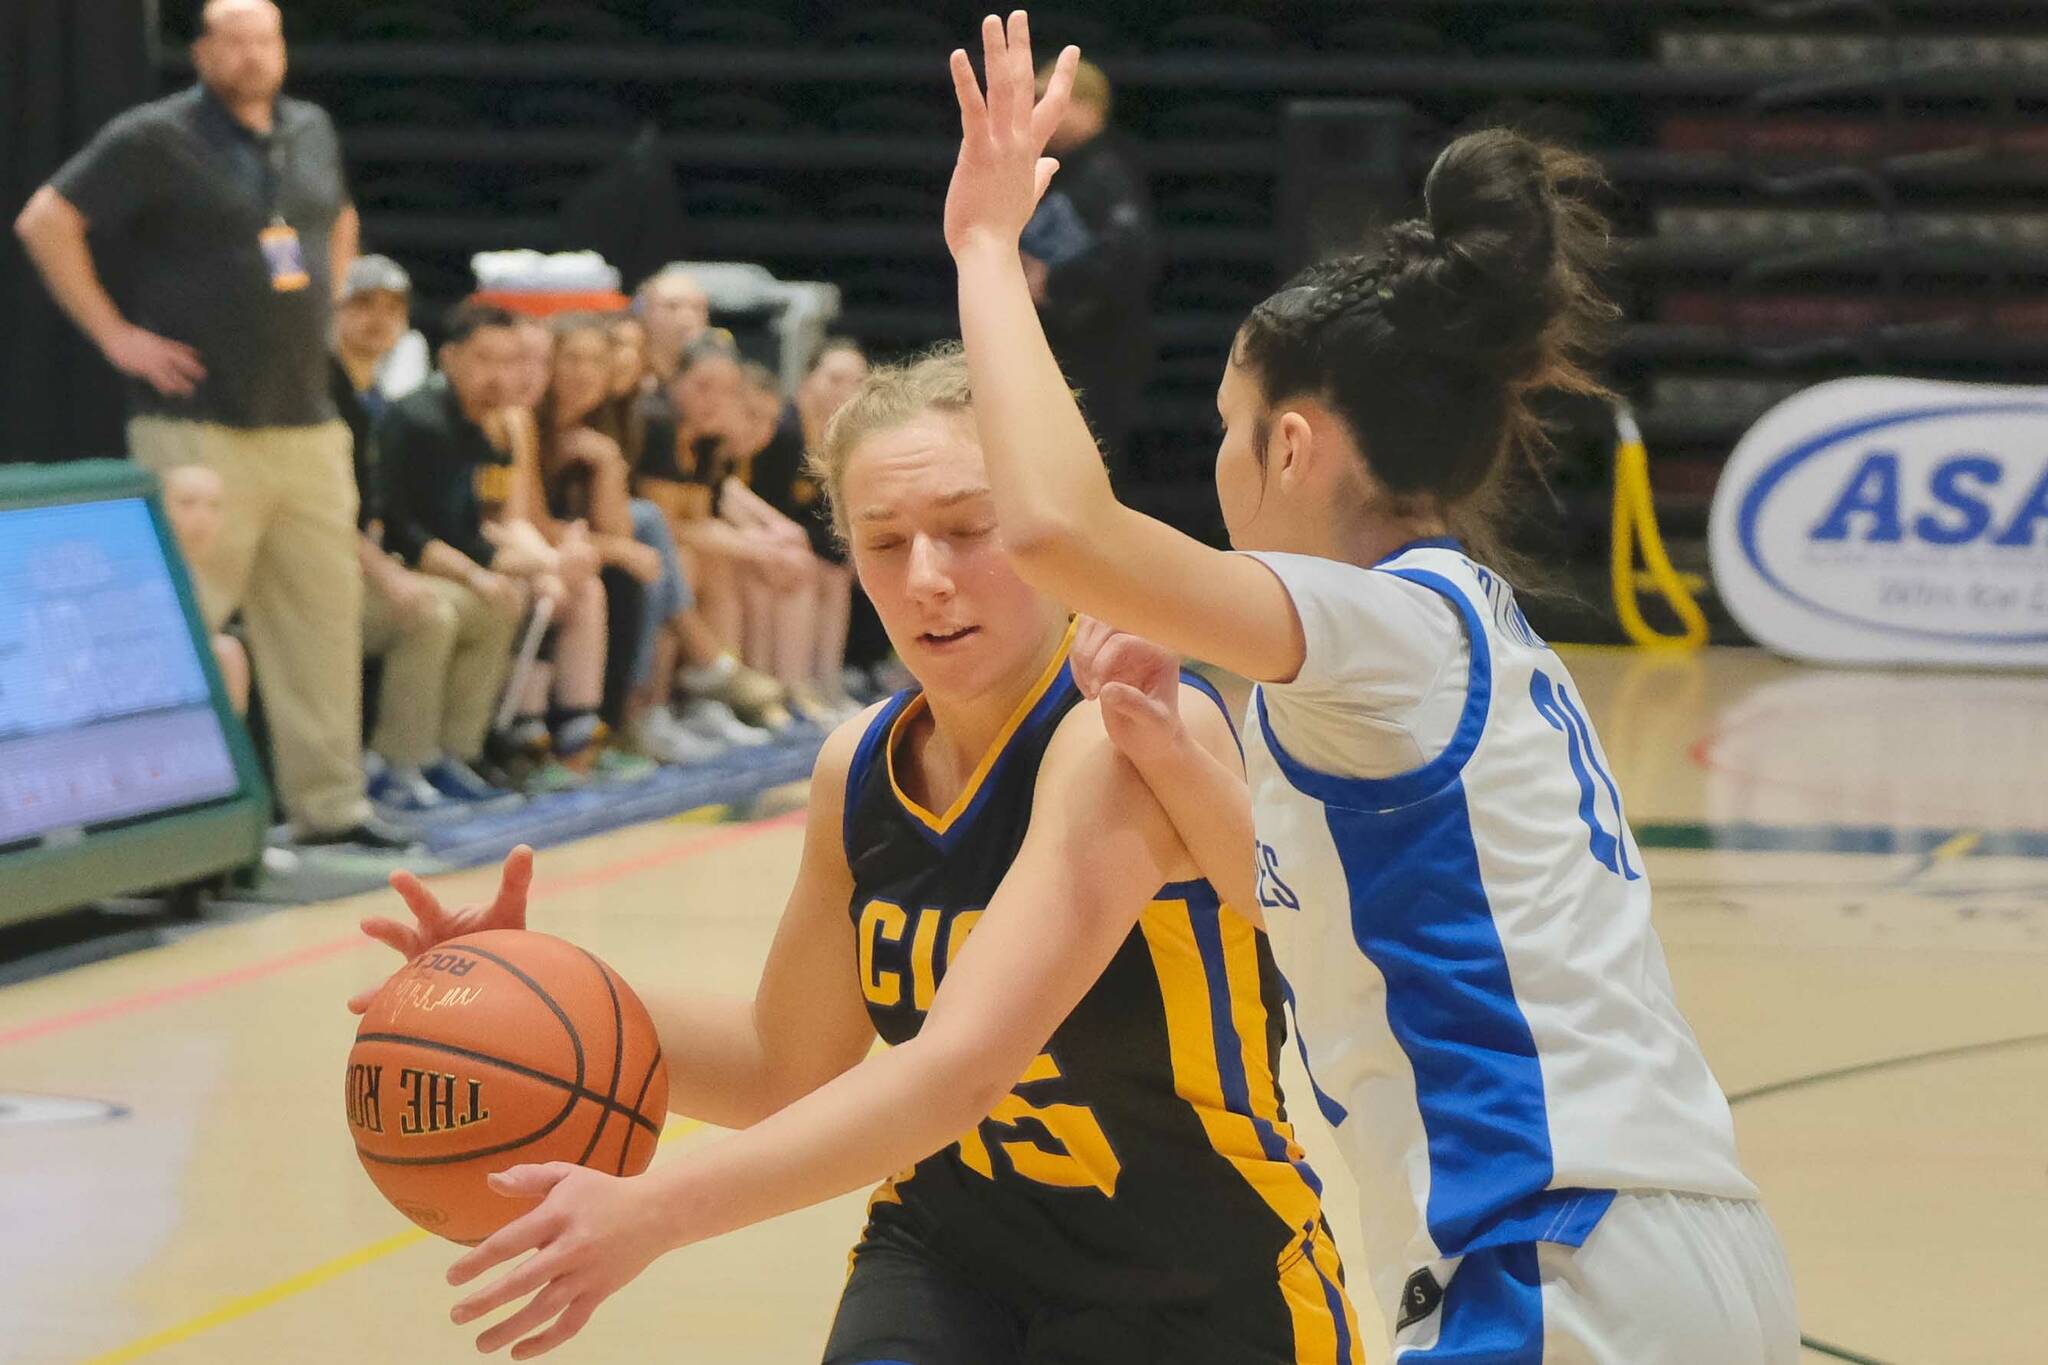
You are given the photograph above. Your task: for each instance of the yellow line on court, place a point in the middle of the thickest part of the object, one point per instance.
(1959, 846)
(298, 1284)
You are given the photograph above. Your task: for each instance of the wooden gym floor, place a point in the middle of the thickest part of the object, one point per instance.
(1851, 870)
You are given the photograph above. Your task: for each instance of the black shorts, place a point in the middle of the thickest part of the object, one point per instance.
(904, 1306)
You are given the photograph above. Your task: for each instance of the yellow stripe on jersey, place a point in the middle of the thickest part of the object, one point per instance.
(1240, 941)
(885, 1193)
(1194, 960)
(939, 824)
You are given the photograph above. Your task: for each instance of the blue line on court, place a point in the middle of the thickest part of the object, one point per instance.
(1752, 838)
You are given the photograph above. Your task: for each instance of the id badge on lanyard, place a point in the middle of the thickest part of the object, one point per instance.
(282, 250)
(285, 256)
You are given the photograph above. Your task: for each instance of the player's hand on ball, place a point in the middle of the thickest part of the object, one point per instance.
(435, 924)
(1138, 685)
(591, 1236)
(1002, 169)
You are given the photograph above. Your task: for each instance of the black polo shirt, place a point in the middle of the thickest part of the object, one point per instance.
(439, 474)
(359, 412)
(178, 192)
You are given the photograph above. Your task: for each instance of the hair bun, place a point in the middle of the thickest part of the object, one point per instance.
(1500, 259)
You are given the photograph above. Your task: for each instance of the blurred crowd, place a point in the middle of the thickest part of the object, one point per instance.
(589, 543)
(555, 549)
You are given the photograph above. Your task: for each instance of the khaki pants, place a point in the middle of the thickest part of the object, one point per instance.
(286, 556)
(444, 665)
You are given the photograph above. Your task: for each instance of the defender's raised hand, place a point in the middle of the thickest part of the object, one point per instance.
(1002, 170)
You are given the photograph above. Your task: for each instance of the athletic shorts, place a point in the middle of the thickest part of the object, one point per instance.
(1665, 1279)
(904, 1305)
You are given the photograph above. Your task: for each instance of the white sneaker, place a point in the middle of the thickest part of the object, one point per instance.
(663, 738)
(715, 720)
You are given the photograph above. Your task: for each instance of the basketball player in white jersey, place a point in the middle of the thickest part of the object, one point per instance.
(1547, 1167)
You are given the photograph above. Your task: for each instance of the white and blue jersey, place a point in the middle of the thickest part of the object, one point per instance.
(1464, 921)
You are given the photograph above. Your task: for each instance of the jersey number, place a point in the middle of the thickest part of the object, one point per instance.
(1555, 705)
(1070, 1150)
(1074, 1154)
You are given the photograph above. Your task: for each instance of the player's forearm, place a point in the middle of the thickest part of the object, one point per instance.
(53, 233)
(893, 1110)
(1211, 811)
(1053, 497)
(718, 1067)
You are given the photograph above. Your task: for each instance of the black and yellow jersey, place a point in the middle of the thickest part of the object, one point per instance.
(779, 475)
(1145, 1157)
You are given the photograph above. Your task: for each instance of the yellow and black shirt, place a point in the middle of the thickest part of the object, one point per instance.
(1145, 1158)
(440, 475)
(777, 474)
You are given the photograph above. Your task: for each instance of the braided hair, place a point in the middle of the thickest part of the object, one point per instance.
(1431, 346)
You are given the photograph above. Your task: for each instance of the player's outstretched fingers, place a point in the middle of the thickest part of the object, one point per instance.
(1022, 75)
(514, 1284)
(1041, 176)
(425, 906)
(1002, 95)
(568, 1325)
(967, 90)
(1045, 118)
(516, 1238)
(402, 939)
(513, 884)
(542, 1310)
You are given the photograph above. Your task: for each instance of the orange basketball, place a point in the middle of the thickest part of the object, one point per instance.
(495, 1050)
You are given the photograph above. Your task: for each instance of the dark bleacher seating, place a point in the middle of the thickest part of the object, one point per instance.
(727, 111)
(916, 205)
(1384, 37)
(559, 109)
(893, 30)
(1225, 33)
(570, 24)
(734, 27)
(896, 114)
(408, 24)
(815, 136)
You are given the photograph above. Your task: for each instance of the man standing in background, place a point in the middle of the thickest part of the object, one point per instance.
(1091, 258)
(225, 206)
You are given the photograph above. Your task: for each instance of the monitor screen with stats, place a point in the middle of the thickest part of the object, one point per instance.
(106, 712)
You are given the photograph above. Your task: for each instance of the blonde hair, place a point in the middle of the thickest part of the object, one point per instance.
(1091, 86)
(890, 397)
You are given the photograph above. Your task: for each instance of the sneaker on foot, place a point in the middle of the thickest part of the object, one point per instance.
(715, 720)
(405, 791)
(754, 697)
(613, 764)
(552, 775)
(458, 781)
(373, 834)
(663, 738)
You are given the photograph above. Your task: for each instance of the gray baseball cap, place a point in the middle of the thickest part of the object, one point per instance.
(370, 274)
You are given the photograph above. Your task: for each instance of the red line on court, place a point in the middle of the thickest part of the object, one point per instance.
(256, 971)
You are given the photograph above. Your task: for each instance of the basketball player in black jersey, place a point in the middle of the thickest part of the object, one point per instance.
(1093, 1164)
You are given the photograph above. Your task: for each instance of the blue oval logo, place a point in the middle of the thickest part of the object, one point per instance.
(1776, 472)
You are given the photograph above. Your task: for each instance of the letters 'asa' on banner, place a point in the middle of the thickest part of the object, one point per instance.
(1891, 521)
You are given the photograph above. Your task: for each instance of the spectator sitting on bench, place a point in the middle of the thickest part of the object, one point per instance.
(194, 498)
(455, 509)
